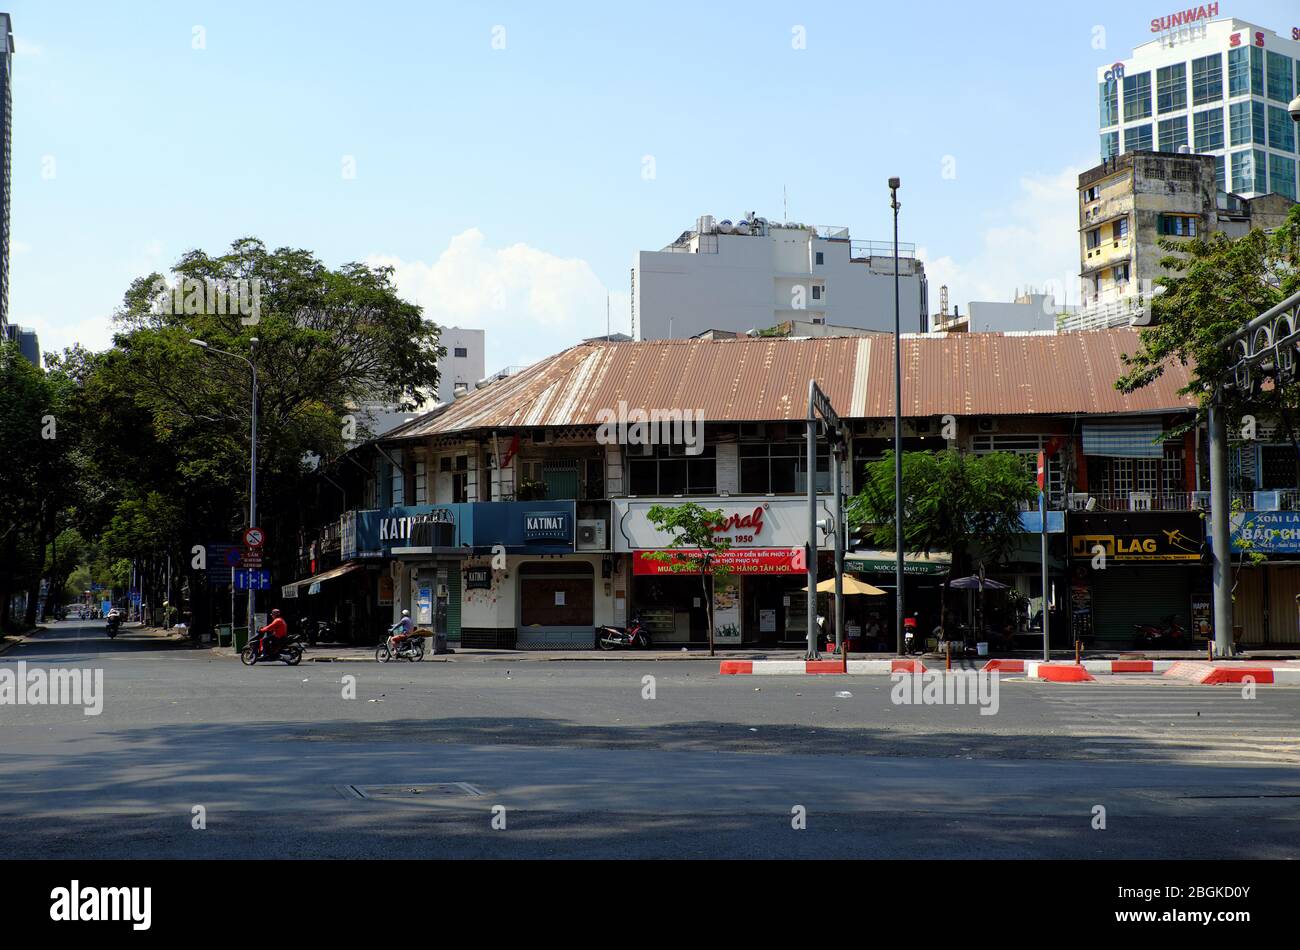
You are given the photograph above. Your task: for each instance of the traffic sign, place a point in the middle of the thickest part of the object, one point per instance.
(251, 557)
(252, 580)
(232, 557)
(254, 538)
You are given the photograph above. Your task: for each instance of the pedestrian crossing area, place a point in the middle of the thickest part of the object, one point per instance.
(1163, 722)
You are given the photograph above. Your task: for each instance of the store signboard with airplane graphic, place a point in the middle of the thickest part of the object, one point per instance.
(1132, 537)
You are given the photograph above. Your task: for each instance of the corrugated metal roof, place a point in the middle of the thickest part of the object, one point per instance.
(758, 379)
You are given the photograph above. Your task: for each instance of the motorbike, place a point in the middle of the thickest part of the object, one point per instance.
(611, 638)
(319, 631)
(111, 626)
(288, 651)
(411, 649)
(1169, 629)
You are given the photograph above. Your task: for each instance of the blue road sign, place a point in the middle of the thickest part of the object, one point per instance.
(252, 579)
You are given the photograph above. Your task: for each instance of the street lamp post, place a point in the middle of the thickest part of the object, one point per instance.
(900, 610)
(252, 458)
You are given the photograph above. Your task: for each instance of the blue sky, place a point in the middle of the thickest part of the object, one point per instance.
(508, 185)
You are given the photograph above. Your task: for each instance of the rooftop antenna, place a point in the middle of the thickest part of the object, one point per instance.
(785, 204)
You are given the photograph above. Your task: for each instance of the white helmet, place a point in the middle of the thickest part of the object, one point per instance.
(406, 613)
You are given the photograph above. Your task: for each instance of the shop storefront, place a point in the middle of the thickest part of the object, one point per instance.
(760, 601)
(1135, 568)
(1266, 606)
(533, 580)
(419, 550)
(924, 578)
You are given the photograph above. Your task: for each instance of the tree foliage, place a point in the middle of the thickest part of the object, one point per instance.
(695, 546)
(951, 501)
(1215, 285)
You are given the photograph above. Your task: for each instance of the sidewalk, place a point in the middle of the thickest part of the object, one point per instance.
(341, 653)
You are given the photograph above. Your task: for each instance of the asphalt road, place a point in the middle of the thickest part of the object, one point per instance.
(579, 761)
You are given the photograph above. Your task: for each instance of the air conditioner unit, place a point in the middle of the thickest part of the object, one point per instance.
(591, 535)
(987, 425)
(1267, 501)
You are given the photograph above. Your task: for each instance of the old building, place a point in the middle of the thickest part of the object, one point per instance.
(516, 516)
(1128, 205)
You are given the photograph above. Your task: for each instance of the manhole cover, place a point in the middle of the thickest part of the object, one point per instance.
(438, 790)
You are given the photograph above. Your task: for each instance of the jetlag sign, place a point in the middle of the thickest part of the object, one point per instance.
(1184, 17)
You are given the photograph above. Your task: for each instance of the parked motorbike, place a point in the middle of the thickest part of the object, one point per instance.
(611, 638)
(1168, 630)
(288, 651)
(319, 631)
(411, 649)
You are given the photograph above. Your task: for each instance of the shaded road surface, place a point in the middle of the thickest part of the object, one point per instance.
(579, 762)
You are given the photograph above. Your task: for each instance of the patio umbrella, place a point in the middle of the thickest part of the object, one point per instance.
(851, 585)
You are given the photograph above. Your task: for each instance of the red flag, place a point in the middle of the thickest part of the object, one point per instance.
(1042, 469)
(511, 452)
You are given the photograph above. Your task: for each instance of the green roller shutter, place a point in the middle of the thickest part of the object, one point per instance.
(453, 601)
(1126, 595)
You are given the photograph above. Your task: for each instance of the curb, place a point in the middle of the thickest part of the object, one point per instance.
(819, 667)
(1104, 667)
(1215, 674)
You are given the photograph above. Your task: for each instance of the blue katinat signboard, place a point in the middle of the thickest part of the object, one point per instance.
(547, 526)
(375, 533)
(521, 527)
(1266, 532)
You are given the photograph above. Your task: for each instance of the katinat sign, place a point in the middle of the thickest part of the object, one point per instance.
(746, 522)
(1186, 17)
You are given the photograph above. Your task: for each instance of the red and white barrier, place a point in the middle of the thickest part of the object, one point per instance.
(817, 667)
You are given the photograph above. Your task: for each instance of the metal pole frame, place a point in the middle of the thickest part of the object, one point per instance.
(900, 599)
(1269, 345)
(820, 405)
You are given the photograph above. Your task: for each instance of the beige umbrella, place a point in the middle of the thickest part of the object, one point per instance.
(851, 585)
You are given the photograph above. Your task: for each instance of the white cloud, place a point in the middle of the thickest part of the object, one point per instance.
(531, 303)
(1037, 247)
(94, 333)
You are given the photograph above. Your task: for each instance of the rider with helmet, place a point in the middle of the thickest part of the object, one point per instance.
(278, 630)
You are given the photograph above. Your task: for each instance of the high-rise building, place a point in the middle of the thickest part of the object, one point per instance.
(1221, 87)
(754, 273)
(6, 142)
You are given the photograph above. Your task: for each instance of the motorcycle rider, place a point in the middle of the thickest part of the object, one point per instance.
(278, 630)
(400, 632)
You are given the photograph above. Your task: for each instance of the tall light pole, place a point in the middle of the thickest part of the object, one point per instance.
(252, 457)
(900, 609)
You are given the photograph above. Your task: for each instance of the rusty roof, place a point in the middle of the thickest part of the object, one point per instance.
(762, 379)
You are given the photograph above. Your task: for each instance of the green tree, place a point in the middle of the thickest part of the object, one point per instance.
(166, 425)
(694, 548)
(952, 501)
(1216, 285)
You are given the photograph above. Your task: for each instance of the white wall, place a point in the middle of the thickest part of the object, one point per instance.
(468, 369)
(748, 285)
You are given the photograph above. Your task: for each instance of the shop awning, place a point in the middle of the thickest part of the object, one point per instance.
(290, 591)
(884, 562)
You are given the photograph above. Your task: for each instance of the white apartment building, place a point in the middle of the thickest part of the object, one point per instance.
(464, 365)
(753, 274)
(1220, 87)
